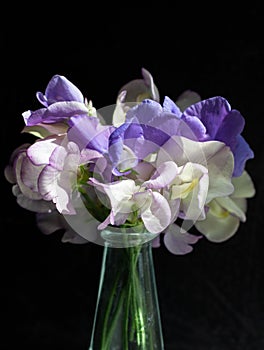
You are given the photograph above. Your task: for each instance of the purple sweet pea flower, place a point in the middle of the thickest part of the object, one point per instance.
(61, 101)
(147, 127)
(59, 89)
(88, 132)
(213, 119)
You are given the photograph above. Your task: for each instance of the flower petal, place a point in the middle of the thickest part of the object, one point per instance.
(242, 152)
(163, 176)
(178, 241)
(39, 152)
(60, 88)
(244, 186)
(231, 206)
(157, 217)
(214, 155)
(217, 229)
(171, 107)
(187, 98)
(139, 89)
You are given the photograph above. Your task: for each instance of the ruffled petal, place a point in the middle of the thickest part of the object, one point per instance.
(60, 88)
(211, 112)
(157, 217)
(213, 155)
(171, 107)
(242, 152)
(178, 241)
(228, 204)
(39, 152)
(45, 130)
(218, 229)
(140, 89)
(244, 186)
(163, 176)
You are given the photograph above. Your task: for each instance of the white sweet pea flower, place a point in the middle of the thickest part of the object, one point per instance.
(187, 98)
(119, 114)
(130, 202)
(185, 188)
(132, 93)
(191, 186)
(225, 213)
(214, 156)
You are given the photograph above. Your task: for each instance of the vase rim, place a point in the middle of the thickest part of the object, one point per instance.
(117, 237)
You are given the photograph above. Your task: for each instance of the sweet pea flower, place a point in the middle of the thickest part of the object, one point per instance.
(48, 170)
(132, 94)
(213, 119)
(44, 176)
(224, 214)
(177, 183)
(153, 166)
(27, 195)
(130, 202)
(179, 241)
(88, 132)
(205, 171)
(138, 90)
(60, 160)
(147, 127)
(61, 100)
(186, 99)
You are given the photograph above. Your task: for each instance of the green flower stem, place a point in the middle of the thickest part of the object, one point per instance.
(129, 302)
(106, 332)
(126, 318)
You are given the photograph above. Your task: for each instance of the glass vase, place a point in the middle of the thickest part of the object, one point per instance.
(127, 315)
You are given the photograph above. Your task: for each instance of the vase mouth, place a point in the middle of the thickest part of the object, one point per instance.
(116, 237)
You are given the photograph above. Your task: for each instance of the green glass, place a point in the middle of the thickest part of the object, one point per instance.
(127, 315)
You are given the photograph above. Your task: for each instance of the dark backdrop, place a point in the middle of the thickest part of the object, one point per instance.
(210, 299)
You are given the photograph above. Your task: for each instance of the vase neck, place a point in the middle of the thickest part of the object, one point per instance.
(127, 311)
(115, 237)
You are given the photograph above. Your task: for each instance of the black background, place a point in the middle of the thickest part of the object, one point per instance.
(210, 299)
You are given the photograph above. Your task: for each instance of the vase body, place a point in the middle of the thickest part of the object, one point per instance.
(127, 315)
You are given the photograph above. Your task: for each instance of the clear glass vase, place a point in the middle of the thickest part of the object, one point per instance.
(127, 315)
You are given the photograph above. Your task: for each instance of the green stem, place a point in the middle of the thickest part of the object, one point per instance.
(126, 318)
(130, 302)
(107, 342)
(137, 302)
(105, 330)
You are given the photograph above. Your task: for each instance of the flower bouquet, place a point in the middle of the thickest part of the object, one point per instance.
(132, 175)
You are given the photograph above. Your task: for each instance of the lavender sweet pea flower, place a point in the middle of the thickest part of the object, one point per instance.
(147, 127)
(178, 241)
(88, 132)
(61, 100)
(21, 173)
(59, 89)
(213, 119)
(60, 160)
(47, 172)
